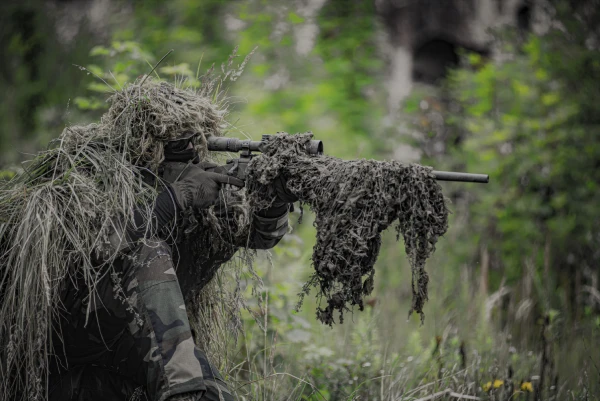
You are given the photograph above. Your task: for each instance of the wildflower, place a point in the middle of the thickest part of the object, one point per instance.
(526, 386)
(489, 385)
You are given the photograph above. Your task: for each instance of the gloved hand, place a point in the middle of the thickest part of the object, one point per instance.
(284, 195)
(199, 188)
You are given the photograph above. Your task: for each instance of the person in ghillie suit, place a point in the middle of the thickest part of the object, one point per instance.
(106, 240)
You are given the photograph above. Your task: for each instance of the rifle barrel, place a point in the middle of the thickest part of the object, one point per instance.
(462, 177)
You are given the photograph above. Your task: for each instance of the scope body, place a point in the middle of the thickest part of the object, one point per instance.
(224, 144)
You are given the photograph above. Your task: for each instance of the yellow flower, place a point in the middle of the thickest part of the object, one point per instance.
(489, 385)
(526, 386)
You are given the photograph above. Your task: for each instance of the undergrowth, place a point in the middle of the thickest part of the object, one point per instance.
(356, 363)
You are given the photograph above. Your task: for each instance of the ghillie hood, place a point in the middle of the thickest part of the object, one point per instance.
(55, 217)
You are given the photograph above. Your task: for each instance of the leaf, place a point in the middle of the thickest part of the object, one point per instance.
(295, 18)
(84, 103)
(550, 99)
(99, 51)
(94, 69)
(99, 87)
(182, 69)
(521, 89)
(474, 59)
(411, 105)
(541, 74)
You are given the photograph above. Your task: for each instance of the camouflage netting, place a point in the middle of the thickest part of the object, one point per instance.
(56, 216)
(354, 202)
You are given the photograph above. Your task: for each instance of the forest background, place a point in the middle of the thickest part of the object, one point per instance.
(514, 309)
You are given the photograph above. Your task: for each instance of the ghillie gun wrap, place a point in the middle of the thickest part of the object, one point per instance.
(354, 201)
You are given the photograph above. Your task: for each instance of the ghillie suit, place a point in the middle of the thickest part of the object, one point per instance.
(354, 201)
(59, 261)
(59, 217)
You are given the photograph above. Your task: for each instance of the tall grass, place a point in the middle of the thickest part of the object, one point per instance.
(461, 352)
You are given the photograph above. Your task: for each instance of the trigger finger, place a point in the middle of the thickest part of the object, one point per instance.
(207, 166)
(227, 179)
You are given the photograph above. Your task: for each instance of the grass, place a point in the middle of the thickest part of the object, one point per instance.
(333, 368)
(460, 353)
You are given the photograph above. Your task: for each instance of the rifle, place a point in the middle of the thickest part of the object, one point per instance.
(314, 147)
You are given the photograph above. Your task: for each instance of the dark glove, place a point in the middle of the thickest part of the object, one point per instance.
(284, 195)
(199, 188)
(283, 201)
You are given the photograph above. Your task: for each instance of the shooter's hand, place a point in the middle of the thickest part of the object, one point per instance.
(199, 188)
(284, 195)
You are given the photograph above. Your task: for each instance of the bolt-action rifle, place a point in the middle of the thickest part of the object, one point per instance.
(314, 147)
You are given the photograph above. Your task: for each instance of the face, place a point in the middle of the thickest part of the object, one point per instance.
(178, 154)
(181, 145)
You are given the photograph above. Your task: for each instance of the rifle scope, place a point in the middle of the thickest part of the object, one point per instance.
(222, 144)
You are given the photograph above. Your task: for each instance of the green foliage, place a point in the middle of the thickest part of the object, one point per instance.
(532, 128)
(531, 122)
(37, 76)
(116, 65)
(6, 175)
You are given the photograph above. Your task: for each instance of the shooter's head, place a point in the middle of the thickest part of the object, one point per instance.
(157, 121)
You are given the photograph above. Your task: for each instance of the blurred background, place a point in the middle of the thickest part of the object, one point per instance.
(506, 88)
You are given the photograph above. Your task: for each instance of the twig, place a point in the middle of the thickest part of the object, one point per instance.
(155, 73)
(115, 78)
(154, 68)
(435, 395)
(82, 68)
(449, 393)
(198, 69)
(463, 396)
